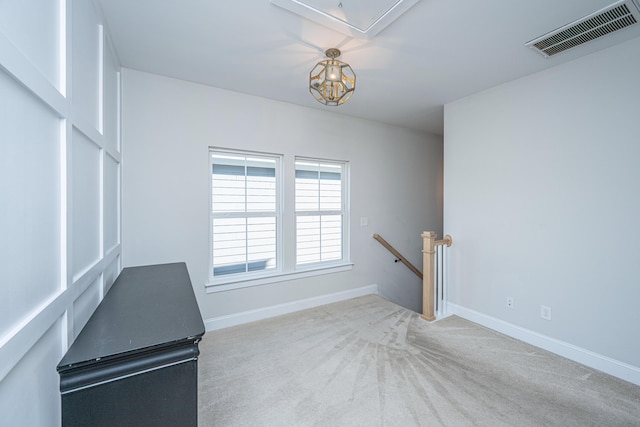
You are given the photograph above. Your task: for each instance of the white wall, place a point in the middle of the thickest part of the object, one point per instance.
(168, 126)
(60, 192)
(543, 202)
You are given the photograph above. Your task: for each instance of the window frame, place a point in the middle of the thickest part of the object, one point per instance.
(343, 212)
(248, 275)
(287, 268)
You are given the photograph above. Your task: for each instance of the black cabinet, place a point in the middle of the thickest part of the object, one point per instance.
(135, 363)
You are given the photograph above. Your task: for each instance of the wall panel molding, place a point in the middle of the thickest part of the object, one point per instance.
(18, 66)
(87, 199)
(15, 344)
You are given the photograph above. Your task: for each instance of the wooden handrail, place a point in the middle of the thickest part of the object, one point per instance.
(429, 244)
(445, 241)
(398, 255)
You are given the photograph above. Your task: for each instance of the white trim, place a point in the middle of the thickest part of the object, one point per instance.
(286, 308)
(212, 287)
(53, 313)
(19, 340)
(325, 18)
(577, 354)
(62, 48)
(276, 214)
(345, 205)
(30, 78)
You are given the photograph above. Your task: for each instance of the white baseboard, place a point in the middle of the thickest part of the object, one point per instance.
(286, 308)
(602, 363)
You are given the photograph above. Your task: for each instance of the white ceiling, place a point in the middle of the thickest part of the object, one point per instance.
(437, 52)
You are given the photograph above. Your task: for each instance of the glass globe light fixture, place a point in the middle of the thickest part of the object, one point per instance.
(332, 82)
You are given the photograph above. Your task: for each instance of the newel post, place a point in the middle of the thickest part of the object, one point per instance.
(428, 260)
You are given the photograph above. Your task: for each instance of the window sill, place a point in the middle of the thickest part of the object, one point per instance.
(213, 287)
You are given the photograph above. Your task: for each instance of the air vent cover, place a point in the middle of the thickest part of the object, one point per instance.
(612, 18)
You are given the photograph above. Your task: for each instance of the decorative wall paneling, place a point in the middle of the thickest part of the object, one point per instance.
(60, 166)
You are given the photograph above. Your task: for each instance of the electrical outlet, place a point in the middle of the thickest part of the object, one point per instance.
(545, 312)
(364, 221)
(509, 302)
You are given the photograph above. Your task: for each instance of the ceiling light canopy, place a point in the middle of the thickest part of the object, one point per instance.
(332, 82)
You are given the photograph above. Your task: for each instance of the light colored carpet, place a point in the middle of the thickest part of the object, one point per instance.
(369, 362)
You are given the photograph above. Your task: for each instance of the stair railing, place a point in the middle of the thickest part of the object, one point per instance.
(434, 290)
(398, 255)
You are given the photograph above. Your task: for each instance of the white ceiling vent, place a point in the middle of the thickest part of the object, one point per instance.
(612, 18)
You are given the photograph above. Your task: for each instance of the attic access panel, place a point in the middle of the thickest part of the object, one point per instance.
(356, 18)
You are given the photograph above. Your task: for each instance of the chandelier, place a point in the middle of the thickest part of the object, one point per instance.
(332, 82)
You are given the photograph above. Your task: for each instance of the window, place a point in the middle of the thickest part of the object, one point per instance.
(265, 229)
(245, 212)
(320, 211)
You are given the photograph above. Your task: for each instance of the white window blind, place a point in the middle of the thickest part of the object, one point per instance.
(245, 212)
(320, 211)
